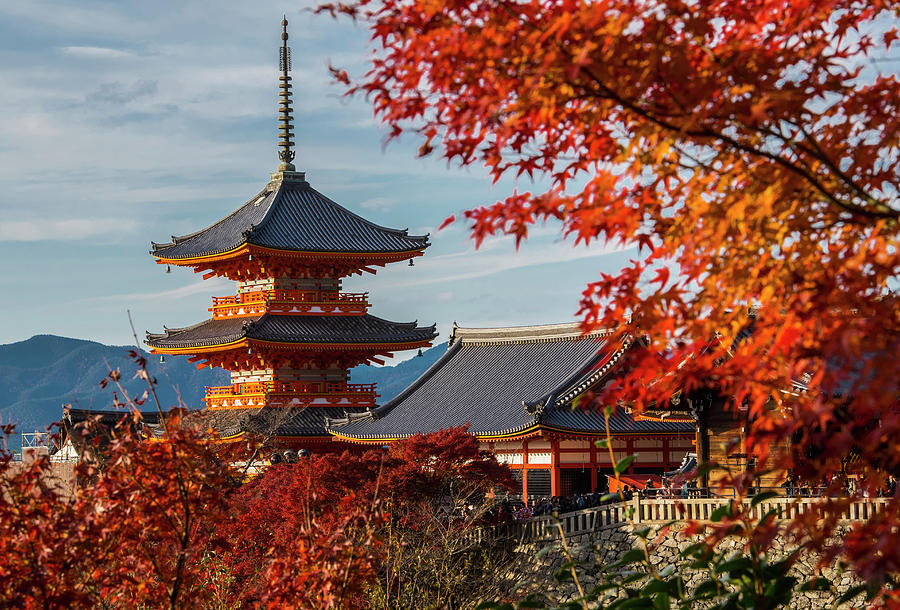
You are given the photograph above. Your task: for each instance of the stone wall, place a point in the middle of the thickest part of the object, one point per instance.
(533, 564)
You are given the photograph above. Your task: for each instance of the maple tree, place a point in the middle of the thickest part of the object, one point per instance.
(341, 520)
(167, 518)
(149, 521)
(746, 150)
(131, 533)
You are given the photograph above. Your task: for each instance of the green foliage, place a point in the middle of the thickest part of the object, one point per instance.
(623, 464)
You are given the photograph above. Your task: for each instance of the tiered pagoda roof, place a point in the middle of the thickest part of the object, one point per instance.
(360, 330)
(290, 215)
(506, 382)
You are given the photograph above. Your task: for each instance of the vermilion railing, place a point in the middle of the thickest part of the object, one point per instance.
(263, 393)
(302, 302)
(290, 387)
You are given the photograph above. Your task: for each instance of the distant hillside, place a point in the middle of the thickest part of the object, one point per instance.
(39, 375)
(392, 380)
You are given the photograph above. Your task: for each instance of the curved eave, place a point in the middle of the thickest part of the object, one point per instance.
(678, 419)
(249, 342)
(615, 433)
(368, 440)
(324, 438)
(528, 430)
(231, 438)
(246, 248)
(521, 434)
(237, 251)
(190, 350)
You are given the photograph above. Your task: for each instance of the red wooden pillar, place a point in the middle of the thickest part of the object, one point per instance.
(492, 494)
(592, 451)
(525, 471)
(554, 468)
(665, 453)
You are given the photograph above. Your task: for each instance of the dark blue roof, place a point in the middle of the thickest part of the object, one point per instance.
(293, 329)
(503, 381)
(291, 215)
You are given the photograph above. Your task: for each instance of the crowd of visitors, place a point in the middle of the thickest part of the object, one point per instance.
(517, 509)
(670, 487)
(850, 486)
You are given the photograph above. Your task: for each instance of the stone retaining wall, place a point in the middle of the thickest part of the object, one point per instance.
(535, 570)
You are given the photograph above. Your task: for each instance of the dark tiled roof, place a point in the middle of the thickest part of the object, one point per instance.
(293, 329)
(621, 422)
(309, 421)
(106, 421)
(208, 332)
(503, 381)
(291, 215)
(107, 417)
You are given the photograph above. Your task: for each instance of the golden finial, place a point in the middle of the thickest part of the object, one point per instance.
(285, 110)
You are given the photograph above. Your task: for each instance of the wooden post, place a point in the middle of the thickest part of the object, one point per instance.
(554, 468)
(703, 443)
(592, 452)
(525, 471)
(636, 504)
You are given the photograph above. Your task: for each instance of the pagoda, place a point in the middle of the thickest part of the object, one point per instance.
(290, 334)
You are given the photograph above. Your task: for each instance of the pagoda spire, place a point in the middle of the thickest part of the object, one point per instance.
(285, 110)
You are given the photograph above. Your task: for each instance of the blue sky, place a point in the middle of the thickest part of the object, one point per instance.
(127, 122)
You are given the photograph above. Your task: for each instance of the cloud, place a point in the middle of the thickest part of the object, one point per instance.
(75, 228)
(96, 52)
(117, 93)
(491, 259)
(213, 286)
(380, 204)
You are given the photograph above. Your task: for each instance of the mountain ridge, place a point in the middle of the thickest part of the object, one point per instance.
(40, 374)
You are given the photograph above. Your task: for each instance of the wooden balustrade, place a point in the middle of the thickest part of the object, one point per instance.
(300, 302)
(282, 393)
(701, 509)
(640, 510)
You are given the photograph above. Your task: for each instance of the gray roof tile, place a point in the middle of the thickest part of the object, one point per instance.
(291, 215)
(487, 378)
(293, 329)
(308, 421)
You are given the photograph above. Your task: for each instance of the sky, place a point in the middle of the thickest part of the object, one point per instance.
(123, 123)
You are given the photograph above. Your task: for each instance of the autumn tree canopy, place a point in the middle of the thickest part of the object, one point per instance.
(171, 522)
(745, 151)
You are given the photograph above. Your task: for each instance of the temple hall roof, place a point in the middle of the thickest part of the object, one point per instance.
(502, 382)
(290, 215)
(293, 329)
(299, 422)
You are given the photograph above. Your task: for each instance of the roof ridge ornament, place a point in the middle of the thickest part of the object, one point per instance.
(285, 108)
